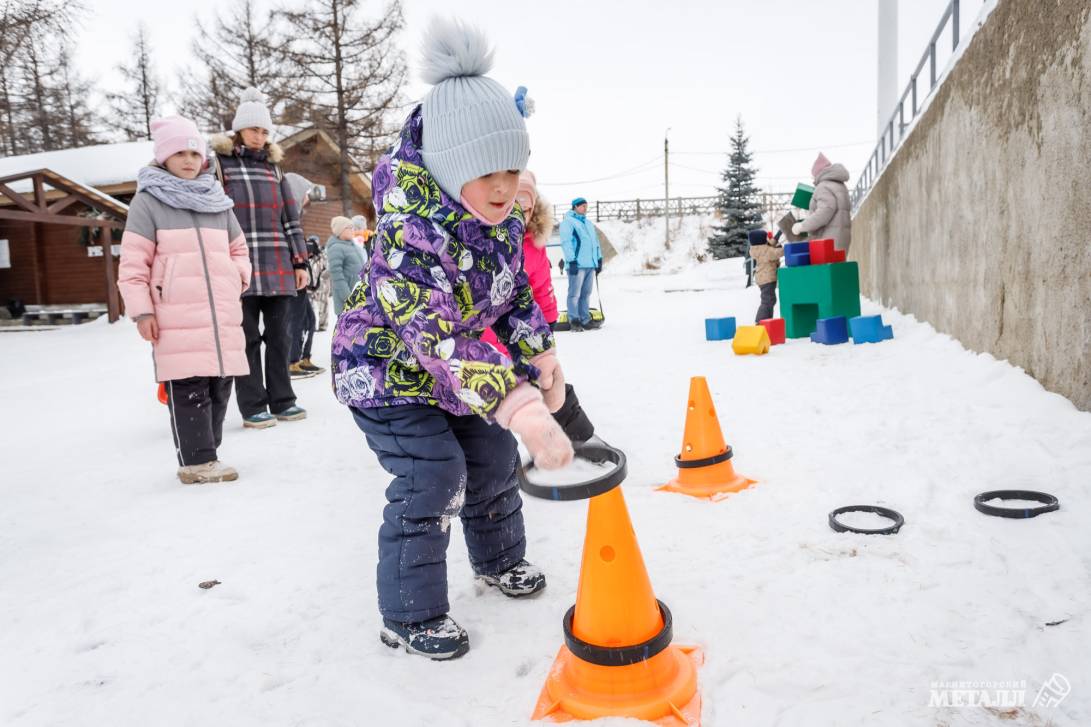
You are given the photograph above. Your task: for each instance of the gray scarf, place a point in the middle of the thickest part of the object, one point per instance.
(203, 194)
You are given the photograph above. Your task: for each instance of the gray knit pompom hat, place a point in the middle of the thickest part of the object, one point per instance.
(472, 126)
(252, 112)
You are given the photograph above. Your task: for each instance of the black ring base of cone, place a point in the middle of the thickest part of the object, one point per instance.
(1049, 503)
(884, 511)
(580, 490)
(688, 464)
(619, 655)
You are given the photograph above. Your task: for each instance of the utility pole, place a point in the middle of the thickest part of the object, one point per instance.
(888, 64)
(666, 185)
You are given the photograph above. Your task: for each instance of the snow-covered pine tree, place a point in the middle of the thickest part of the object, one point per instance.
(136, 106)
(738, 203)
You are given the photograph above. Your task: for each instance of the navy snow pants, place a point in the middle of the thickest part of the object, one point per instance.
(443, 466)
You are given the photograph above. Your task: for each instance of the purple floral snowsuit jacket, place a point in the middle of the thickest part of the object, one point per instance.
(411, 330)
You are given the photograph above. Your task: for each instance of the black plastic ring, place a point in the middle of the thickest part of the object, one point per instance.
(705, 462)
(582, 490)
(884, 511)
(619, 655)
(1050, 503)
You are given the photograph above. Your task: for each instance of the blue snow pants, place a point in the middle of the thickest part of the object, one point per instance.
(443, 466)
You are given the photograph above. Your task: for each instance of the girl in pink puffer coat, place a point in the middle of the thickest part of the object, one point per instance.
(184, 264)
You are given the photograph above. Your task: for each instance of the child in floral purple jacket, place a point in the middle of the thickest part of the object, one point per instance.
(438, 405)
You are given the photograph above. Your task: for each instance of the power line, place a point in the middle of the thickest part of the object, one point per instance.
(624, 173)
(779, 151)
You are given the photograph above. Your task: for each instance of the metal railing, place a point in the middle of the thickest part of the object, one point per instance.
(889, 142)
(636, 209)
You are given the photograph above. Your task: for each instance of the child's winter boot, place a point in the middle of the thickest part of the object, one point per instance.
(292, 414)
(199, 474)
(298, 372)
(521, 580)
(261, 420)
(306, 365)
(438, 638)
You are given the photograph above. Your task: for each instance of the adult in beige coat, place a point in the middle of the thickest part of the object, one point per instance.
(830, 210)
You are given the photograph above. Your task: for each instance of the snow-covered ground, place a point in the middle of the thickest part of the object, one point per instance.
(102, 550)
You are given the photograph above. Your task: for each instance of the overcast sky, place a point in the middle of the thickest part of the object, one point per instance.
(610, 77)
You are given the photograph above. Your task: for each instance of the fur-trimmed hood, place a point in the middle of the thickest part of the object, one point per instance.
(222, 144)
(541, 222)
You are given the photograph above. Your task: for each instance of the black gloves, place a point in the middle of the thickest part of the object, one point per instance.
(572, 418)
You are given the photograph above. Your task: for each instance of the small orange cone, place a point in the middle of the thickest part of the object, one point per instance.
(162, 393)
(704, 466)
(617, 660)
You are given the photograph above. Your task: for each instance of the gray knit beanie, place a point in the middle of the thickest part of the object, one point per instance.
(252, 112)
(472, 126)
(300, 188)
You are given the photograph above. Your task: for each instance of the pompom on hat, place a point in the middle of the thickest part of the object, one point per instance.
(472, 125)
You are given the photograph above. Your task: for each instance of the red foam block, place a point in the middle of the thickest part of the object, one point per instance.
(775, 328)
(822, 251)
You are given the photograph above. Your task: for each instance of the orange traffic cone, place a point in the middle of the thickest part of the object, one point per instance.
(162, 393)
(618, 660)
(704, 466)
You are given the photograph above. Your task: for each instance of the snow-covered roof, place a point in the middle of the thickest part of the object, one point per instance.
(91, 166)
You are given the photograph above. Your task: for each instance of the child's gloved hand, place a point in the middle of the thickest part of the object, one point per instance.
(549, 446)
(797, 228)
(524, 412)
(573, 268)
(550, 379)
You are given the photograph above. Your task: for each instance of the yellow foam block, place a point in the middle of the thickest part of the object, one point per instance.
(751, 339)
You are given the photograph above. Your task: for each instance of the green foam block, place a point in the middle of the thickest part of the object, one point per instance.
(810, 292)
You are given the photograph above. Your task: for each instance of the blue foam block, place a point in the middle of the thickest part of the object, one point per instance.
(831, 331)
(719, 329)
(797, 253)
(869, 329)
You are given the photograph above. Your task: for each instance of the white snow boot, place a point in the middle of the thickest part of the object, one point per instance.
(199, 474)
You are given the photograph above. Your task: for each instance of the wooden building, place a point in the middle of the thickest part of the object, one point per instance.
(314, 154)
(56, 208)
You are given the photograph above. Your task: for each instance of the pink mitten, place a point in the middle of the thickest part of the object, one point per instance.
(551, 379)
(524, 413)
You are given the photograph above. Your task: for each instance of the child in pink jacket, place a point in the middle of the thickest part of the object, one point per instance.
(539, 215)
(184, 264)
(539, 226)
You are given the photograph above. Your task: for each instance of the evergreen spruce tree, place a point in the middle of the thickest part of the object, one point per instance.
(738, 204)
